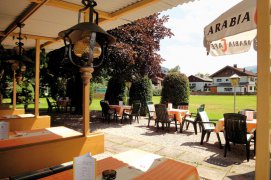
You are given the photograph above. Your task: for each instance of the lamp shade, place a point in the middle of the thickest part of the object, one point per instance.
(235, 79)
(78, 32)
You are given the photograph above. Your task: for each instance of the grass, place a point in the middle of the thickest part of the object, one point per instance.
(215, 105)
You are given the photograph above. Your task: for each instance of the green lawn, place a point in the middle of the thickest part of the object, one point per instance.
(214, 105)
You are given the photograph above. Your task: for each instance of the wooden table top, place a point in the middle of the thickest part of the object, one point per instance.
(22, 138)
(137, 164)
(4, 117)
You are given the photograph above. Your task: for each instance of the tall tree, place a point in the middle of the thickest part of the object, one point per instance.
(135, 53)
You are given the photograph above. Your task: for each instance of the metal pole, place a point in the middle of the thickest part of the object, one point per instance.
(234, 88)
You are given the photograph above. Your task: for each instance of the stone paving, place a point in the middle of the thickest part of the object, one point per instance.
(183, 147)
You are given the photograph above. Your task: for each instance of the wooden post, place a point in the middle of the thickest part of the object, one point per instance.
(86, 76)
(14, 91)
(263, 91)
(37, 78)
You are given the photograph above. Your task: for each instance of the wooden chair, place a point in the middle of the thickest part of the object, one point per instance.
(151, 112)
(163, 117)
(51, 106)
(134, 112)
(107, 113)
(207, 127)
(236, 132)
(192, 118)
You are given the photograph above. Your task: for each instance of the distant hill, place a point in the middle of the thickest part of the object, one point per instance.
(252, 68)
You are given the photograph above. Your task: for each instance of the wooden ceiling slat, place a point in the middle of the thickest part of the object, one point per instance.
(33, 7)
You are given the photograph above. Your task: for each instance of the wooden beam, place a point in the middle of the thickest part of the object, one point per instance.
(30, 36)
(37, 78)
(71, 6)
(50, 42)
(33, 7)
(263, 91)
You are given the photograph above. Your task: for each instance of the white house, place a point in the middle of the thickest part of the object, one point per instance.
(222, 84)
(199, 84)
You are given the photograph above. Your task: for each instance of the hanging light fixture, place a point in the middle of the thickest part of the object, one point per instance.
(86, 41)
(19, 59)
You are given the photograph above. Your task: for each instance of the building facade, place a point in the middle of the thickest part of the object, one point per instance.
(222, 83)
(199, 84)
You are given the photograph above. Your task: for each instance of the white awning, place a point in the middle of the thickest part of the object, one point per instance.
(45, 21)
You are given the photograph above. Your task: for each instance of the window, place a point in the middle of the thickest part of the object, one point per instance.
(252, 79)
(227, 79)
(250, 88)
(219, 80)
(227, 89)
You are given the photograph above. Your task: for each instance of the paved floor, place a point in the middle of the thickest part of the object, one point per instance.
(184, 147)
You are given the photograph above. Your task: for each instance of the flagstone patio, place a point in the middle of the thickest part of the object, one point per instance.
(184, 147)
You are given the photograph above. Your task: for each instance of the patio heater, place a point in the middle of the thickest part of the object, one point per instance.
(235, 79)
(85, 45)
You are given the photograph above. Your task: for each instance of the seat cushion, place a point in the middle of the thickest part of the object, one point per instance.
(189, 119)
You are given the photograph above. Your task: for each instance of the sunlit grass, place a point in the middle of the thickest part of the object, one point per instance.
(215, 105)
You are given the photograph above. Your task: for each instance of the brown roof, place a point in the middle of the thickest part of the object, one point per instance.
(238, 71)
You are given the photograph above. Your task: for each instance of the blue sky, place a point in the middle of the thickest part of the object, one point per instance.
(186, 47)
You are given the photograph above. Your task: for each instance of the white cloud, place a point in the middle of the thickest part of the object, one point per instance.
(186, 47)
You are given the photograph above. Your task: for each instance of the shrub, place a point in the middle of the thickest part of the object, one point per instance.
(115, 91)
(141, 90)
(175, 89)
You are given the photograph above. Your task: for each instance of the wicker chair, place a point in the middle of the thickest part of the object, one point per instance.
(207, 127)
(151, 112)
(134, 112)
(162, 116)
(236, 132)
(192, 118)
(107, 113)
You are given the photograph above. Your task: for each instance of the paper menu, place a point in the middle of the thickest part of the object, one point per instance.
(4, 130)
(120, 103)
(249, 115)
(84, 167)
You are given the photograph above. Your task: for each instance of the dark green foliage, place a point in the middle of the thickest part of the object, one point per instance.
(115, 91)
(141, 90)
(25, 93)
(175, 89)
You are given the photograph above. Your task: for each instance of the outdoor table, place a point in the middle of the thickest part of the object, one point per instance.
(64, 103)
(137, 164)
(22, 138)
(251, 124)
(119, 109)
(4, 117)
(179, 114)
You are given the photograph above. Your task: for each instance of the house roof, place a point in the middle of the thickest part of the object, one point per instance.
(193, 78)
(44, 19)
(233, 70)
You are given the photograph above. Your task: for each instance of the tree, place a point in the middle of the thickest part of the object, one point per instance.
(175, 89)
(135, 53)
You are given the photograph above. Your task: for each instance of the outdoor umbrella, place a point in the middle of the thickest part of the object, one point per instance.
(234, 31)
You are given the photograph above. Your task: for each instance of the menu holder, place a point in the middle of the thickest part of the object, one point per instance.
(4, 130)
(249, 115)
(169, 106)
(84, 167)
